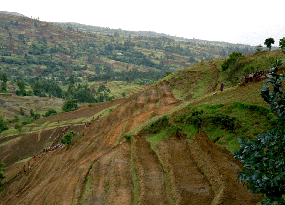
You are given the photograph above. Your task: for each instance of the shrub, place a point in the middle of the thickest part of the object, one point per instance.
(157, 126)
(128, 137)
(1, 175)
(50, 112)
(162, 124)
(17, 126)
(27, 120)
(37, 116)
(223, 120)
(233, 58)
(196, 118)
(67, 139)
(69, 105)
(3, 124)
(22, 111)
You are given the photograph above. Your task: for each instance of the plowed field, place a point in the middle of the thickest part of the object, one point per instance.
(102, 167)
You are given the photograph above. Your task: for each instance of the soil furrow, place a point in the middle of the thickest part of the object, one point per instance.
(188, 184)
(221, 169)
(119, 181)
(100, 170)
(149, 173)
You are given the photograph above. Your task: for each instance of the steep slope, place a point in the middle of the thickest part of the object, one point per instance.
(102, 167)
(169, 144)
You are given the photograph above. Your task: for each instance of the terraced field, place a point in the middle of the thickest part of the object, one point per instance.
(102, 167)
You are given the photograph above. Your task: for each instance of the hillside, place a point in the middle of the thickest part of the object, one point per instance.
(29, 48)
(169, 144)
(43, 57)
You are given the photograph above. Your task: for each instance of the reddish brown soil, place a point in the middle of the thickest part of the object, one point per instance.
(99, 167)
(149, 173)
(189, 185)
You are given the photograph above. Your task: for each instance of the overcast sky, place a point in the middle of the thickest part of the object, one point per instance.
(242, 21)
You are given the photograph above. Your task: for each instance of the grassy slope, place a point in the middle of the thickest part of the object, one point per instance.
(242, 106)
(194, 86)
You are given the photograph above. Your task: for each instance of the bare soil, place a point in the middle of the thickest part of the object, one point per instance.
(99, 168)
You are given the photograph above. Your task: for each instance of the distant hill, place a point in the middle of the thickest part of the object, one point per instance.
(12, 13)
(32, 48)
(83, 27)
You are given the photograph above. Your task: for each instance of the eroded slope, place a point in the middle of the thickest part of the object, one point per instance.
(102, 167)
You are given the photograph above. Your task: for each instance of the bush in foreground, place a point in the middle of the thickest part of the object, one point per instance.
(263, 158)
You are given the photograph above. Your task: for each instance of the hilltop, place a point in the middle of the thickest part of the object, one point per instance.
(12, 13)
(168, 144)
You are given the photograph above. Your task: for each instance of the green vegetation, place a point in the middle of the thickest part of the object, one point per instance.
(226, 123)
(50, 112)
(4, 79)
(162, 124)
(3, 124)
(268, 42)
(69, 105)
(263, 157)
(67, 138)
(128, 137)
(160, 129)
(231, 61)
(134, 177)
(41, 65)
(2, 165)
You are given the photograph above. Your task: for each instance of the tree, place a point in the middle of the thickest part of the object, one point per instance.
(4, 79)
(32, 113)
(103, 94)
(1, 175)
(71, 87)
(70, 105)
(268, 42)
(3, 124)
(282, 44)
(264, 158)
(21, 86)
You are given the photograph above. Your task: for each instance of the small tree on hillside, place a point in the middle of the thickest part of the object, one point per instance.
(4, 79)
(282, 44)
(21, 85)
(67, 139)
(231, 61)
(3, 124)
(69, 105)
(264, 158)
(268, 42)
(1, 175)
